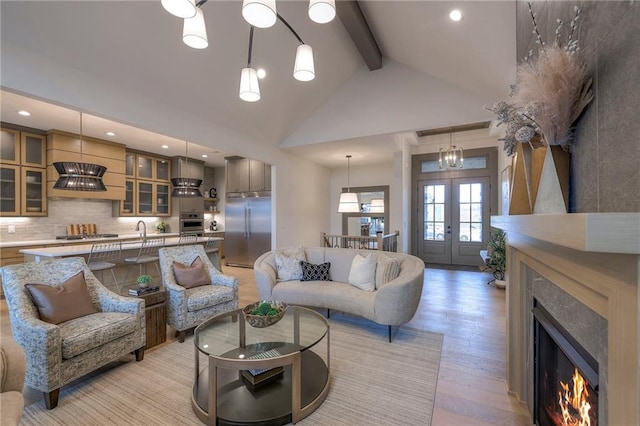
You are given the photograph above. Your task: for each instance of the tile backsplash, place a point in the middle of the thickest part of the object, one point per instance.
(69, 211)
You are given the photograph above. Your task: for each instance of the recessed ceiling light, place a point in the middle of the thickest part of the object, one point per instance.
(455, 15)
(204, 156)
(261, 73)
(24, 113)
(165, 146)
(110, 134)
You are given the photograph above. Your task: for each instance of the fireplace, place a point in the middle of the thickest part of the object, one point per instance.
(565, 375)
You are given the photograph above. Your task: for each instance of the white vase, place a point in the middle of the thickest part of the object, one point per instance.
(501, 283)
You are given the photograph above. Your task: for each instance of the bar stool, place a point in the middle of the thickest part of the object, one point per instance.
(187, 238)
(213, 246)
(148, 254)
(105, 256)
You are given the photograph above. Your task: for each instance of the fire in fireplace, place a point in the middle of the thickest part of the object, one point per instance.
(565, 376)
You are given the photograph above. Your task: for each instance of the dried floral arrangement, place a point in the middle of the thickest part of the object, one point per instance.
(550, 92)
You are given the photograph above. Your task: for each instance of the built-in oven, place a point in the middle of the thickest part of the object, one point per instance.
(192, 223)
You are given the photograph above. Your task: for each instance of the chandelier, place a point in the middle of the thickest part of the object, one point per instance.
(79, 176)
(259, 14)
(451, 158)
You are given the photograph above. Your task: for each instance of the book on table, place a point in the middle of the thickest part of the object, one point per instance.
(141, 291)
(257, 376)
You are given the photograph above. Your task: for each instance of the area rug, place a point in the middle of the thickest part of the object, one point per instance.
(373, 382)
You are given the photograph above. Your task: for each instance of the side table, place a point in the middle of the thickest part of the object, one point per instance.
(155, 308)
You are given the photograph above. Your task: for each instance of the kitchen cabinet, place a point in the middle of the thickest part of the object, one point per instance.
(147, 187)
(153, 199)
(246, 175)
(23, 190)
(63, 146)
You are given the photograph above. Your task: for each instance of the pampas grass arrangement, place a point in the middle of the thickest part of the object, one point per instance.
(550, 92)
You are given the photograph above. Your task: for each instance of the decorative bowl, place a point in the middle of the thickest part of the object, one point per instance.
(261, 321)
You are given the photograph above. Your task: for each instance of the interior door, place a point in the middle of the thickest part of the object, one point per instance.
(453, 220)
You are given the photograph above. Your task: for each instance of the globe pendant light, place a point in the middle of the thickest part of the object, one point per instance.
(348, 200)
(180, 8)
(322, 11)
(186, 186)
(79, 176)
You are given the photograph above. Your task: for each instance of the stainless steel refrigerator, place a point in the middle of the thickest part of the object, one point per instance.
(247, 229)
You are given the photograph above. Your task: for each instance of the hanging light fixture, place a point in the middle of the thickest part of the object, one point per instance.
(186, 186)
(74, 176)
(180, 8)
(348, 200)
(194, 31)
(260, 14)
(377, 205)
(249, 87)
(322, 11)
(452, 158)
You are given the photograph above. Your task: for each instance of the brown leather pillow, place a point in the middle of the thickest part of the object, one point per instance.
(65, 302)
(191, 276)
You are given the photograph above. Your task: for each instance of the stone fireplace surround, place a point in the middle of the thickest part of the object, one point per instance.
(590, 258)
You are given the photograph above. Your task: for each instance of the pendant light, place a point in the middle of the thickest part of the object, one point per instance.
(186, 186)
(348, 200)
(249, 87)
(194, 31)
(79, 176)
(452, 158)
(259, 13)
(180, 8)
(322, 11)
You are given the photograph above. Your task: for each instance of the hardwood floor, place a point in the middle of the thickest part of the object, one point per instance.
(471, 315)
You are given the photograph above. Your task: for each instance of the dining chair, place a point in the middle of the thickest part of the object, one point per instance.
(105, 256)
(148, 254)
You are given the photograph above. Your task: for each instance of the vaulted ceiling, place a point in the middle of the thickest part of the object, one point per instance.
(124, 63)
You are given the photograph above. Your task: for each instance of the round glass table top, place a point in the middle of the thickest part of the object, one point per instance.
(229, 336)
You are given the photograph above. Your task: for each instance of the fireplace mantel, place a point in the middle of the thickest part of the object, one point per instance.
(595, 258)
(594, 232)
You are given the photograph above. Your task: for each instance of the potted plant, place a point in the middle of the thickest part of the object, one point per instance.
(144, 281)
(496, 261)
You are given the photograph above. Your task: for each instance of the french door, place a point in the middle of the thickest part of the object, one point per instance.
(453, 219)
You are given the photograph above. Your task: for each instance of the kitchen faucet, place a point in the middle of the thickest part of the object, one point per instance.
(144, 229)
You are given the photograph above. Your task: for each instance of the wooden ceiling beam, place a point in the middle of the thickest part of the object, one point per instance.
(356, 25)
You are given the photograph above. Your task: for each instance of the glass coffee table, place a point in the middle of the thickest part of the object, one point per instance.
(264, 376)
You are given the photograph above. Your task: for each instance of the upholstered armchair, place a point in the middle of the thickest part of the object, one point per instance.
(188, 307)
(60, 353)
(12, 371)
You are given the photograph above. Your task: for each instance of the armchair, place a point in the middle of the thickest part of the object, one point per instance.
(188, 307)
(59, 354)
(12, 370)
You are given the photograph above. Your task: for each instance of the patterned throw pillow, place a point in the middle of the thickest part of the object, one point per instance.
(313, 272)
(62, 303)
(363, 272)
(387, 270)
(288, 264)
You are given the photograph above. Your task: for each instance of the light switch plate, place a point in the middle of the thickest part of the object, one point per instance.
(12, 229)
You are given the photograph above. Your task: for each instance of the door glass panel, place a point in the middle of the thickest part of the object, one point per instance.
(33, 196)
(145, 195)
(163, 199)
(129, 163)
(8, 146)
(470, 201)
(434, 212)
(7, 190)
(162, 169)
(128, 197)
(144, 167)
(33, 147)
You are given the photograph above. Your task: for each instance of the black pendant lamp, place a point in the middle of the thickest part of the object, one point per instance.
(79, 176)
(186, 186)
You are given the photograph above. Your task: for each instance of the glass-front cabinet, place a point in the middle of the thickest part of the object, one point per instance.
(127, 207)
(147, 188)
(162, 199)
(9, 190)
(145, 198)
(23, 183)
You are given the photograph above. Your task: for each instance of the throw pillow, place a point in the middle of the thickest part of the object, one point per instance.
(313, 272)
(387, 270)
(363, 272)
(191, 276)
(62, 303)
(288, 264)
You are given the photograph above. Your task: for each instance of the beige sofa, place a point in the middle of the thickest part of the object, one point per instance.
(13, 366)
(393, 304)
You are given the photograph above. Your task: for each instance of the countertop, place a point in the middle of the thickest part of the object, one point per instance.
(83, 249)
(92, 240)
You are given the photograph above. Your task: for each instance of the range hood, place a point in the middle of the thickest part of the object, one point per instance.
(186, 177)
